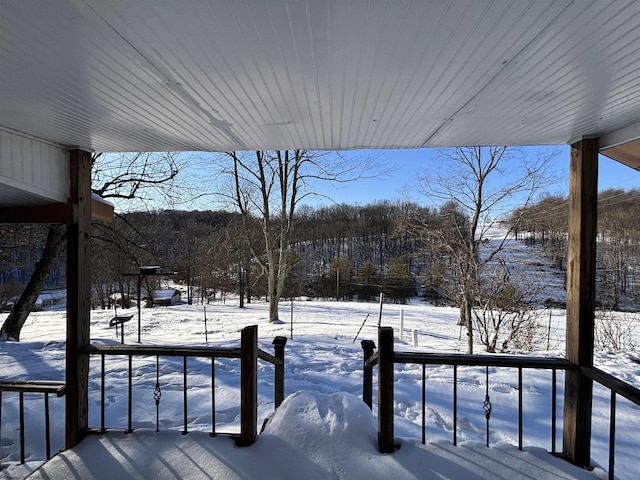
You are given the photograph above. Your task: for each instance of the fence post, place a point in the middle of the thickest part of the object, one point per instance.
(368, 346)
(385, 390)
(249, 385)
(278, 350)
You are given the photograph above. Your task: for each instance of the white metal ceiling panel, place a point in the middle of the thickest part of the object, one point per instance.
(142, 75)
(574, 79)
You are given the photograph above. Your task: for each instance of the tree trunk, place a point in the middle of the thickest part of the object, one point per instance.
(465, 316)
(52, 249)
(241, 286)
(273, 307)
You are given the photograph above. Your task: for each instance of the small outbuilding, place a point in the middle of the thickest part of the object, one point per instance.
(166, 297)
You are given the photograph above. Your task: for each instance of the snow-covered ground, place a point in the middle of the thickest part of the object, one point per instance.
(323, 378)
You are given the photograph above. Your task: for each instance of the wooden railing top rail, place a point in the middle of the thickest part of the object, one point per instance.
(33, 386)
(483, 360)
(267, 357)
(614, 384)
(167, 351)
(173, 351)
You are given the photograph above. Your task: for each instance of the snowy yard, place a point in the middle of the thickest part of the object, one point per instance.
(323, 364)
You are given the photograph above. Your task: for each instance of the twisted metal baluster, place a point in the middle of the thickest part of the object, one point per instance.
(487, 404)
(157, 393)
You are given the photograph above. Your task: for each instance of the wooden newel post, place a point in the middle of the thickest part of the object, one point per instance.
(368, 346)
(385, 390)
(581, 284)
(278, 351)
(248, 385)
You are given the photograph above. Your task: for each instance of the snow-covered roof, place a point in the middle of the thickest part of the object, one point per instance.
(165, 294)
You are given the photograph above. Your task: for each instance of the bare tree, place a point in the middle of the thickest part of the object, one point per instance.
(616, 331)
(267, 187)
(505, 312)
(142, 176)
(480, 184)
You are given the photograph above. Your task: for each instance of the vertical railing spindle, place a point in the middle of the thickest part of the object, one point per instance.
(157, 393)
(553, 410)
(424, 406)
(213, 397)
(1, 424)
(455, 405)
(130, 396)
(486, 406)
(22, 455)
(47, 427)
(102, 391)
(519, 408)
(612, 435)
(184, 394)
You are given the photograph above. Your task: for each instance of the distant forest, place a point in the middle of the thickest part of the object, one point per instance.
(340, 251)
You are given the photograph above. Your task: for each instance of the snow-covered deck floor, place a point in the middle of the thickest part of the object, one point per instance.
(311, 436)
(172, 455)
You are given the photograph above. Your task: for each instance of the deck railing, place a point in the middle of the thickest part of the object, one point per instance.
(28, 387)
(248, 354)
(386, 358)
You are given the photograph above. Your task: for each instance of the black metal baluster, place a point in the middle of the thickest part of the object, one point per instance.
(486, 406)
(519, 408)
(1, 424)
(157, 393)
(47, 429)
(455, 405)
(612, 435)
(130, 395)
(553, 411)
(213, 397)
(22, 427)
(424, 402)
(184, 393)
(102, 423)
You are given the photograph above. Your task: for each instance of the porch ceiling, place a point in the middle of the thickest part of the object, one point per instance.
(121, 75)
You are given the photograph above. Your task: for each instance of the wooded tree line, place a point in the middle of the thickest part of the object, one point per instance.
(545, 224)
(208, 251)
(343, 251)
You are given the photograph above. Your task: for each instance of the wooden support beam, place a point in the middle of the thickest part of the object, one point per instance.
(101, 210)
(63, 213)
(385, 390)
(78, 298)
(248, 386)
(581, 288)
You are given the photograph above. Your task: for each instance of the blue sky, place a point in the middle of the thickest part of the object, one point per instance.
(406, 165)
(401, 171)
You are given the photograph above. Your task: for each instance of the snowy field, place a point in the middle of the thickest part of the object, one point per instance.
(324, 364)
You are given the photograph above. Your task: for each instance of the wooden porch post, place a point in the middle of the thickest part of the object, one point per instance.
(248, 385)
(581, 286)
(385, 390)
(78, 298)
